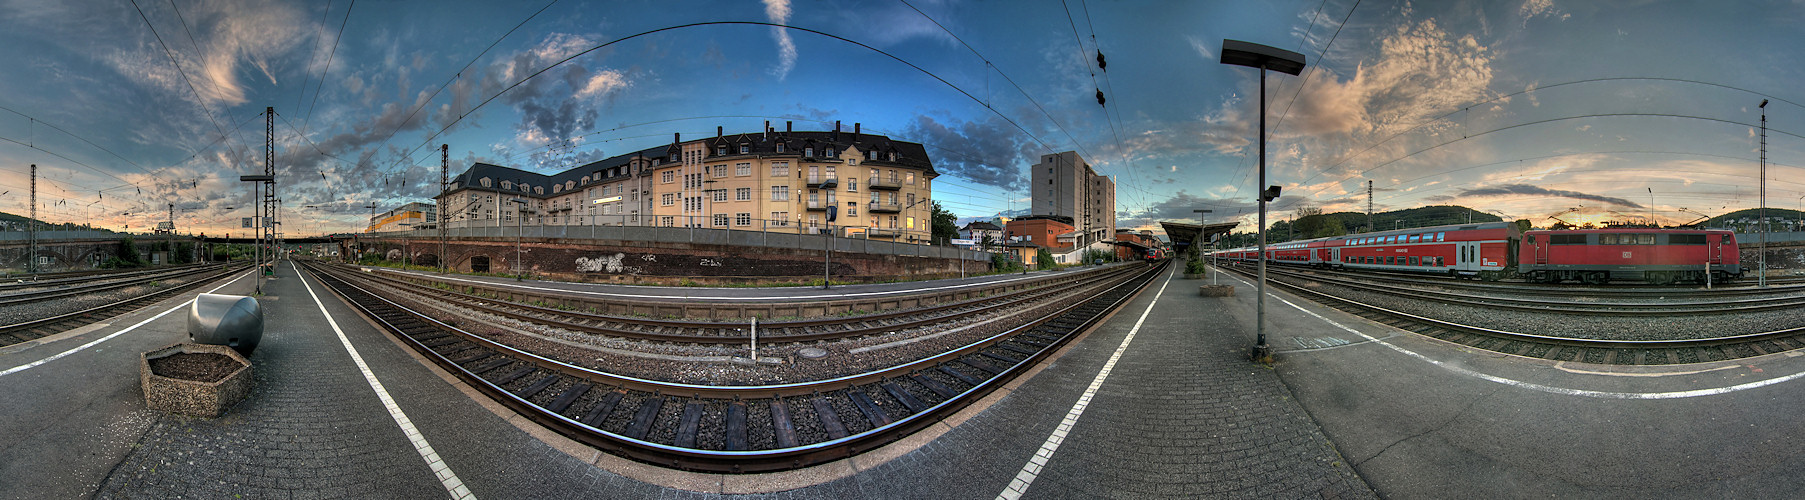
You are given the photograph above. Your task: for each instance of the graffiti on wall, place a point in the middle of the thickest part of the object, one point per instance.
(607, 264)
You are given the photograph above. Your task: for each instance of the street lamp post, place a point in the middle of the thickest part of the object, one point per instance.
(1264, 57)
(1198, 242)
(406, 242)
(1762, 278)
(519, 227)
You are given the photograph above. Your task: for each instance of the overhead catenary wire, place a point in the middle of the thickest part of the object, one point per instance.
(198, 99)
(328, 68)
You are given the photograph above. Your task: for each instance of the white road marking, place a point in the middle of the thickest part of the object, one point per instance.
(678, 297)
(439, 469)
(60, 355)
(1545, 388)
(1031, 470)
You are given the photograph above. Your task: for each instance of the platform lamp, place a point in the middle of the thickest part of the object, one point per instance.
(1198, 242)
(1264, 57)
(519, 227)
(258, 265)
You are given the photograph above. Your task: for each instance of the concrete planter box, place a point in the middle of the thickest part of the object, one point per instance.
(188, 397)
(1216, 290)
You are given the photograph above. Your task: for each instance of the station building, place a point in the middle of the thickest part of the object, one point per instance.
(779, 181)
(412, 215)
(1063, 185)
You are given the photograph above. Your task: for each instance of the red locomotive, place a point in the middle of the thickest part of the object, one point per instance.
(1658, 256)
(1498, 250)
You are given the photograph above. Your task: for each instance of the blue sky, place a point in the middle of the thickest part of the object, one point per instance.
(1528, 108)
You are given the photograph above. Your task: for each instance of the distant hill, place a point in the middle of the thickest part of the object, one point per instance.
(10, 222)
(1341, 223)
(1747, 217)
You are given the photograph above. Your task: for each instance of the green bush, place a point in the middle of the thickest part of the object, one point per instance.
(1044, 260)
(1195, 267)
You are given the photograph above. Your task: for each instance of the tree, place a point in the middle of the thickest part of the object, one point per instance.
(1044, 259)
(989, 240)
(945, 225)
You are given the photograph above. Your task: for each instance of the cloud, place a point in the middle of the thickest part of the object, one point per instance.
(990, 152)
(1529, 190)
(1421, 71)
(1202, 48)
(779, 12)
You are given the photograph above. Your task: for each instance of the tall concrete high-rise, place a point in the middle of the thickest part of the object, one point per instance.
(1065, 186)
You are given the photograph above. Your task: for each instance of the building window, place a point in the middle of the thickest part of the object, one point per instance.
(507, 184)
(745, 148)
(667, 221)
(874, 197)
(742, 170)
(720, 195)
(668, 199)
(911, 200)
(538, 189)
(814, 197)
(742, 194)
(556, 188)
(692, 181)
(692, 204)
(780, 169)
(808, 152)
(780, 193)
(852, 184)
(668, 176)
(892, 156)
(570, 184)
(910, 178)
(911, 223)
(780, 147)
(781, 219)
(742, 219)
(871, 155)
(720, 170)
(830, 152)
(485, 181)
(892, 222)
(814, 220)
(720, 151)
(852, 209)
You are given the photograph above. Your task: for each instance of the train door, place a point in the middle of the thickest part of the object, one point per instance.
(1540, 248)
(1715, 248)
(1466, 256)
(1335, 257)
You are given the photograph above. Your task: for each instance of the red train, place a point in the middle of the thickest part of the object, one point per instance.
(1498, 250)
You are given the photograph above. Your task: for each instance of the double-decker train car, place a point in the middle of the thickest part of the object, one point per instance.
(1658, 256)
(1498, 250)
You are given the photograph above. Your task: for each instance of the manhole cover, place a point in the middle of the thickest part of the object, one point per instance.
(812, 352)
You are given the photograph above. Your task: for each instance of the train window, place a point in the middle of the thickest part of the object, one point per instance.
(1438, 262)
(1686, 239)
(1440, 236)
(1566, 239)
(1532, 240)
(1391, 260)
(1608, 239)
(1645, 239)
(1416, 261)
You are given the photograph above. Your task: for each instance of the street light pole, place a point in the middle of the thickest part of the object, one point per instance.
(1198, 242)
(1263, 57)
(519, 227)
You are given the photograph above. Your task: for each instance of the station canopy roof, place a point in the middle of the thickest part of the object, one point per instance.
(1183, 234)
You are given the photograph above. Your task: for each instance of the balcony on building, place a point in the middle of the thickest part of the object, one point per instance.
(883, 208)
(824, 182)
(882, 183)
(819, 205)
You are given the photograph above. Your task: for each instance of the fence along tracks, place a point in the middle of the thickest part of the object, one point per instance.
(735, 428)
(774, 331)
(1597, 351)
(44, 327)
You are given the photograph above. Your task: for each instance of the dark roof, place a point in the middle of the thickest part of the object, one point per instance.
(982, 226)
(908, 154)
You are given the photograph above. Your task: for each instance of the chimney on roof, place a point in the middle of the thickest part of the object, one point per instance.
(836, 130)
(855, 132)
(717, 131)
(767, 136)
(676, 138)
(786, 127)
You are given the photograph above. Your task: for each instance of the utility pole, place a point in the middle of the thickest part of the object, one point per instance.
(371, 223)
(1369, 207)
(267, 231)
(31, 262)
(170, 236)
(1762, 278)
(444, 184)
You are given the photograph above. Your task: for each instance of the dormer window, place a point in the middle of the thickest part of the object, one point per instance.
(585, 179)
(720, 151)
(507, 184)
(745, 148)
(871, 155)
(539, 190)
(892, 156)
(485, 181)
(780, 147)
(570, 184)
(557, 188)
(808, 152)
(830, 152)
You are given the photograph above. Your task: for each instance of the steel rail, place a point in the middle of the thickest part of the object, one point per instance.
(1567, 307)
(730, 461)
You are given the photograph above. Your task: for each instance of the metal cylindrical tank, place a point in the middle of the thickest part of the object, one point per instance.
(233, 321)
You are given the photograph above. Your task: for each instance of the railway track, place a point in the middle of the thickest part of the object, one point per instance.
(44, 327)
(11, 285)
(770, 331)
(1745, 285)
(1722, 303)
(90, 284)
(1620, 352)
(735, 429)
